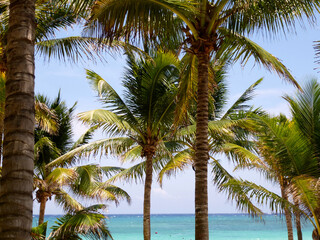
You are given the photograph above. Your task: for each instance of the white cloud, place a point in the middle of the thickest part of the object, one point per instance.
(269, 92)
(280, 108)
(78, 128)
(162, 193)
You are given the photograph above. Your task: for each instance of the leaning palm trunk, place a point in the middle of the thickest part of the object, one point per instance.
(298, 225)
(287, 214)
(147, 197)
(297, 220)
(315, 233)
(18, 153)
(201, 153)
(43, 203)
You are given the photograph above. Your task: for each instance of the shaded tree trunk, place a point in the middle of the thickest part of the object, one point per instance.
(315, 235)
(202, 152)
(147, 196)
(287, 214)
(18, 154)
(43, 202)
(1, 134)
(298, 221)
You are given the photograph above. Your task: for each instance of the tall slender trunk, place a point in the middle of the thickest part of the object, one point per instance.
(315, 235)
(147, 197)
(202, 152)
(297, 220)
(43, 202)
(17, 174)
(1, 135)
(287, 213)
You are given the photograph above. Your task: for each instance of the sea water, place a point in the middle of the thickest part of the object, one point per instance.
(181, 226)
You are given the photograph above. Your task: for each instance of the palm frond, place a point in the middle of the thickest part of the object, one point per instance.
(84, 138)
(259, 194)
(240, 47)
(107, 146)
(50, 19)
(272, 16)
(178, 162)
(240, 103)
(73, 49)
(111, 98)
(46, 118)
(68, 203)
(39, 232)
(187, 85)
(137, 19)
(61, 176)
(87, 222)
(104, 191)
(45, 142)
(133, 173)
(305, 108)
(221, 177)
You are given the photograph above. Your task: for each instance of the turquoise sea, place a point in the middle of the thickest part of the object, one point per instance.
(181, 226)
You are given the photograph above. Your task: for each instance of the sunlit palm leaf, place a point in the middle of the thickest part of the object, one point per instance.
(239, 104)
(61, 176)
(179, 162)
(127, 18)
(68, 203)
(87, 222)
(105, 146)
(242, 48)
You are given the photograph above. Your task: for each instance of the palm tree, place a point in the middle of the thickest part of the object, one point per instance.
(305, 109)
(291, 163)
(17, 173)
(286, 157)
(211, 30)
(50, 19)
(140, 124)
(17, 60)
(85, 181)
(86, 222)
(226, 128)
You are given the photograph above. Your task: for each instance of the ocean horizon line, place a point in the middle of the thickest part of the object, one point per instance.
(157, 214)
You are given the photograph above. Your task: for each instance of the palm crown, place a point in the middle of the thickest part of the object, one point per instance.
(85, 181)
(139, 125)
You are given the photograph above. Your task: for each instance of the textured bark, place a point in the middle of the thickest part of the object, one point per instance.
(1, 133)
(147, 197)
(202, 152)
(298, 221)
(43, 202)
(287, 214)
(17, 174)
(315, 235)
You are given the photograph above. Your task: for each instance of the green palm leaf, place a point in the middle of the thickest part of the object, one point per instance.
(87, 222)
(115, 146)
(68, 203)
(240, 47)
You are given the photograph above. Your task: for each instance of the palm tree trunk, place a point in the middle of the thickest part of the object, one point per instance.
(202, 152)
(17, 175)
(1, 135)
(43, 202)
(147, 197)
(287, 214)
(297, 220)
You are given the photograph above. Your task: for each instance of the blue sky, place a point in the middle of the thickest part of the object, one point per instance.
(294, 50)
